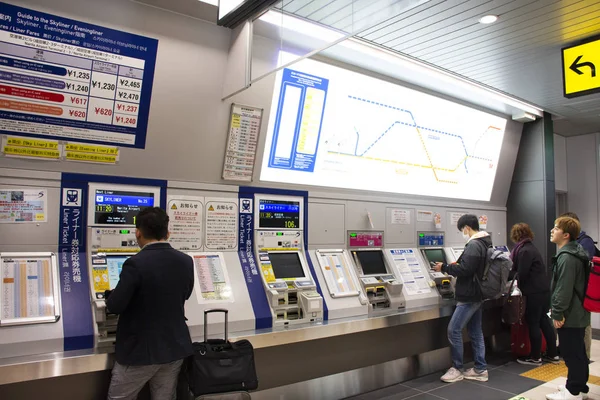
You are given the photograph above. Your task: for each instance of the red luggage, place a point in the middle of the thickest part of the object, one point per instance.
(519, 339)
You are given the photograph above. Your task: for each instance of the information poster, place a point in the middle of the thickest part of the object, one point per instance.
(244, 128)
(27, 288)
(23, 206)
(212, 278)
(185, 222)
(411, 271)
(66, 79)
(338, 274)
(424, 216)
(221, 224)
(400, 217)
(454, 217)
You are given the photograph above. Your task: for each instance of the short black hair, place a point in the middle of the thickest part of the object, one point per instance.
(153, 223)
(469, 220)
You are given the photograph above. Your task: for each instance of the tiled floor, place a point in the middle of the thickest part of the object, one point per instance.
(506, 382)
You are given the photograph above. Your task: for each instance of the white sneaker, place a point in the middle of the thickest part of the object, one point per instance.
(584, 396)
(452, 375)
(473, 375)
(563, 394)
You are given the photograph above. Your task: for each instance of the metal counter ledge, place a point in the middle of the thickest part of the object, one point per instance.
(51, 365)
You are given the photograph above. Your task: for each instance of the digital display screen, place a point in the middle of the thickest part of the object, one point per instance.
(118, 207)
(286, 265)
(279, 214)
(448, 149)
(435, 255)
(371, 262)
(114, 266)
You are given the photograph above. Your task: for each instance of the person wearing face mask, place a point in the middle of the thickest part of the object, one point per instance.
(152, 336)
(468, 297)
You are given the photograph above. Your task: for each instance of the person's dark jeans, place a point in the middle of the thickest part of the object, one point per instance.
(536, 308)
(572, 350)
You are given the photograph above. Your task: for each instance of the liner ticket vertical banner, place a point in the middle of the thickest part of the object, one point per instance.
(262, 310)
(73, 272)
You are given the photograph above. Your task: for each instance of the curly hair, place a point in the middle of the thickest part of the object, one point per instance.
(521, 231)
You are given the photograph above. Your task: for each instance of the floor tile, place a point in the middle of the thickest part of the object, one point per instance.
(425, 396)
(515, 368)
(427, 382)
(466, 390)
(396, 392)
(509, 382)
(538, 393)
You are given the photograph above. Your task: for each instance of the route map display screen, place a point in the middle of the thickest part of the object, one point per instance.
(118, 207)
(332, 127)
(279, 214)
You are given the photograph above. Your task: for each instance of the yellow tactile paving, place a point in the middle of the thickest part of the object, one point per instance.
(549, 372)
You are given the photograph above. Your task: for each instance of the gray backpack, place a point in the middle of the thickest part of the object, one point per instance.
(493, 283)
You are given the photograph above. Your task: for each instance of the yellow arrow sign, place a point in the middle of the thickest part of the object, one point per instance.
(581, 69)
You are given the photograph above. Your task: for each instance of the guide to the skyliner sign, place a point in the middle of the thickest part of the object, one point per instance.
(65, 79)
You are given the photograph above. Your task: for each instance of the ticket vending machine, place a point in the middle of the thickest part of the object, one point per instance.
(112, 210)
(344, 295)
(279, 250)
(431, 246)
(419, 288)
(375, 273)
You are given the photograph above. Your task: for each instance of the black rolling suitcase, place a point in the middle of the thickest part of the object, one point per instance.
(219, 366)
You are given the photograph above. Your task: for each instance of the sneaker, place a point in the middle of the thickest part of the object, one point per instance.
(553, 360)
(473, 375)
(584, 396)
(452, 375)
(563, 394)
(529, 361)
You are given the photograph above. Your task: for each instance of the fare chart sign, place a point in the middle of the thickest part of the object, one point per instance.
(65, 79)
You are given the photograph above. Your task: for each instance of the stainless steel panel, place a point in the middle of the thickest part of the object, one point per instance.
(362, 380)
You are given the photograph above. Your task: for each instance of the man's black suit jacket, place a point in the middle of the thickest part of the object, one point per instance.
(149, 298)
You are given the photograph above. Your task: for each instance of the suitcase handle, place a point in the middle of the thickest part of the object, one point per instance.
(216, 310)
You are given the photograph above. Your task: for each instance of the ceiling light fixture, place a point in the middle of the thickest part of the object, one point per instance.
(488, 19)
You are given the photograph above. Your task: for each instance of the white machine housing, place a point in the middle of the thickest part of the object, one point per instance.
(381, 285)
(342, 291)
(293, 297)
(419, 288)
(231, 294)
(432, 251)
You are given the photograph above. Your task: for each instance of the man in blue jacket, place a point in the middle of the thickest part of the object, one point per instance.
(468, 311)
(152, 336)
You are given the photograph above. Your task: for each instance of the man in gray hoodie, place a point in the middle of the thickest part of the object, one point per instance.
(467, 292)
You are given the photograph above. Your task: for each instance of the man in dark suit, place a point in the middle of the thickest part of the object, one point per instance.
(152, 336)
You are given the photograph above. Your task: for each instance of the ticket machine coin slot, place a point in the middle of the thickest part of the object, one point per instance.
(292, 298)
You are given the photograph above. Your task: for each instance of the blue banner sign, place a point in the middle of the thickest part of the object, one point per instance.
(66, 79)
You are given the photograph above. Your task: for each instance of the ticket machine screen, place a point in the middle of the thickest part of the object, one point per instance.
(118, 207)
(286, 265)
(114, 265)
(435, 255)
(371, 262)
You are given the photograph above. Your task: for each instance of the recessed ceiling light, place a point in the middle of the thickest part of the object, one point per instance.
(488, 19)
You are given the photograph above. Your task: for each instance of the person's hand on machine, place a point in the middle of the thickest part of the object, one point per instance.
(437, 267)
